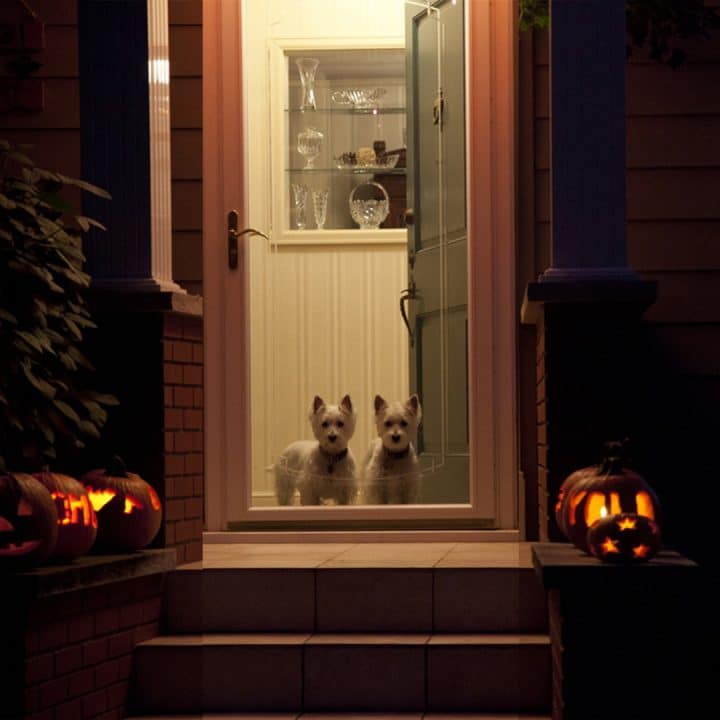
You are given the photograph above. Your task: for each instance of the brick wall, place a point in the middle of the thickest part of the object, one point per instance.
(183, 435)
(544, 504)
(78, 649)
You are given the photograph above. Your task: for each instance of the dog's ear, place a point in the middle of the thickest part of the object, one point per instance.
(346, 403)
(318, 402)
(413, 405)
(380, 404)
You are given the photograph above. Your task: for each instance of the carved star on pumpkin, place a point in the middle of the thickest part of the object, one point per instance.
(627, 523)
(641, 551)
(609, 546)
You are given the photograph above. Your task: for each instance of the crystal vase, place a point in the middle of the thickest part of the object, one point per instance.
(306, 67)
(299, 203)
(320, 200)
(309, 143)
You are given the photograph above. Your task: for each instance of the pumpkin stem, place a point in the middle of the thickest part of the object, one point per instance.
(614, 456)
(116, 467)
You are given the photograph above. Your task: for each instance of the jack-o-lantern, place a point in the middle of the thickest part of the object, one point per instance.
(128, 508)
(563, 493)
(28, 522)
(624, 538)
(77, 522)
(610, 489)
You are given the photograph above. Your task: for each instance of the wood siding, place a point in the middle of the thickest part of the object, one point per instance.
(186, 132)
(54, 132)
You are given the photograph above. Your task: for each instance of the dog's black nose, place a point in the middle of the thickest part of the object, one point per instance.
(396, 438)
(332, 438)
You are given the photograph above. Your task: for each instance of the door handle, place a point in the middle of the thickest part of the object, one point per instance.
(409, 216)
(234, 234)
(405, 295)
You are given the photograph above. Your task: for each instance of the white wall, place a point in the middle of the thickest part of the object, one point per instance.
(325, 317)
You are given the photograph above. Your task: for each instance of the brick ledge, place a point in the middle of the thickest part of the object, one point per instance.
(90, 571)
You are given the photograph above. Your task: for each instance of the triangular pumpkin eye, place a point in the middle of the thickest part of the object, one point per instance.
(24, 508)
(5, 525)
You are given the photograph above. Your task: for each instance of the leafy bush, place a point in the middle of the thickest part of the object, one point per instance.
(655, 24)
(46, 404)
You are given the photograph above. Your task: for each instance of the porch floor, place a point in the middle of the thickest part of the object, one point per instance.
(365, 555)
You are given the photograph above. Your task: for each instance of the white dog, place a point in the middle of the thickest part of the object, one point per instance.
(324, 468)
(391, 471)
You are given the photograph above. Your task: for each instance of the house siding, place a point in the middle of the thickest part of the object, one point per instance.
(673, 238)
(185, 18)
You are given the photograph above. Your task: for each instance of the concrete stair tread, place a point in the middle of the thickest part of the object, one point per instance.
(343, 716)
(295, 639)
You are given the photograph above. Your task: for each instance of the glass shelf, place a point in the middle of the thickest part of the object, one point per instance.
(362, 170)
(349, 111)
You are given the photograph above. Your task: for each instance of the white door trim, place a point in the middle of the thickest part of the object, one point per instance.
(491, 54)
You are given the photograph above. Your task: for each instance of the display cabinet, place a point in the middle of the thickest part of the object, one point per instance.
(342, 157)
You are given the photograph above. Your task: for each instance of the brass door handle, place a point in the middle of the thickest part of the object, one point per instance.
(234, 234)
(409, 216)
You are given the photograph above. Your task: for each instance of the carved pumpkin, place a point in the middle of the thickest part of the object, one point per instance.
(624, 538)
(563, 493)
(28, 522)
(609, 490)
(127, 507)
(77, 522)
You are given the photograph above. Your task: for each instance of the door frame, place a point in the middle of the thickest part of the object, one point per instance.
(491, 51)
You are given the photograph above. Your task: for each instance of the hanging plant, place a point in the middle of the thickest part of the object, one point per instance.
(47, 405)
(652, 24)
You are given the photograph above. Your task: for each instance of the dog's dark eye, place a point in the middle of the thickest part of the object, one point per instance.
(388, 423)
(403, 423)
(340, 423)
(325, 423)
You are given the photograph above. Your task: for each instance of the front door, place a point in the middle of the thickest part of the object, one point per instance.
(462, 322)
(437, 244)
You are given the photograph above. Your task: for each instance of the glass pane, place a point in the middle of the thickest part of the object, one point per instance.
(359, 352)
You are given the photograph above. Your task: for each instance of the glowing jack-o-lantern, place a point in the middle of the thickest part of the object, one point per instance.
(77, 521)
(28, 521)
(624, 538)
(128, 508)
(609, 489)
(563, 493)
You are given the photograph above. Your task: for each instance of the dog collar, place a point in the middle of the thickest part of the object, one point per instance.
(333, 459)
(397, 455)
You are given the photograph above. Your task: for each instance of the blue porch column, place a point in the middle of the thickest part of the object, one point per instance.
(125, 136)
(587, 109)
(587, 306)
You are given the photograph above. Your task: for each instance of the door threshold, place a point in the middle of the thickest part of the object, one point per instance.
(360, 536)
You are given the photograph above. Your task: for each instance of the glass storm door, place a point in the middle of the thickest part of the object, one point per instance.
(437, 245)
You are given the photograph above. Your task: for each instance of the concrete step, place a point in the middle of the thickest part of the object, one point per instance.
(286, 673)
(404, 600)
(341, 716)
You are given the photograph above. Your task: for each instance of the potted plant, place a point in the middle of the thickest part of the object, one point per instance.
(48, 407)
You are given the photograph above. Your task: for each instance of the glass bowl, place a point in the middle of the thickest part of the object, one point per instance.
(369, 205)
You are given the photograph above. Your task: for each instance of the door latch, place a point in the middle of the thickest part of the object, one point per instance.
(405, 295)
(234, 234)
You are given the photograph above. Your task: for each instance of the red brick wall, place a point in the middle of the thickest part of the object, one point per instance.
(183, 435)
(78, 648)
